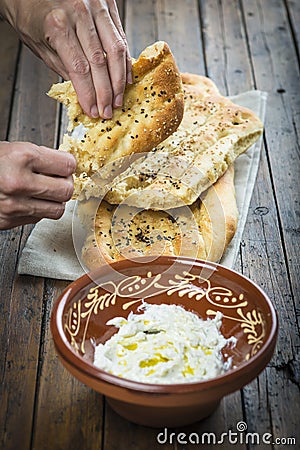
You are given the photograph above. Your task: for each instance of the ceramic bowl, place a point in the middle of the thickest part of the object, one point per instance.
(78, 323)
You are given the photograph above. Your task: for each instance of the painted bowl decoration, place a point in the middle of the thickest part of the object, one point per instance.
(79, 317)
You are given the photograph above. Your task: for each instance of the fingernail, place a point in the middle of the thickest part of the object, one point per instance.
(107, 113)
(94, 111)
(129, 78)
(118, 100)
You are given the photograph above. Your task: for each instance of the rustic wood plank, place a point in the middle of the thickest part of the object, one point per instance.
(287, 411)
(270, 57)
(9, 50)
(34, 114)
(120, 433)
(264, 402)
(277, 71)
(233, 80)
(178, 25)
(262, 255)
(258, 409)
(140, 25)
(262, 264)
(9, 242)
(71, 413)
(226, 52)
(214, 43)
(264, 261)
(31, 120)
(148, 21)
(22, 347)
(141, 30)
(186, 20)
(208, 432)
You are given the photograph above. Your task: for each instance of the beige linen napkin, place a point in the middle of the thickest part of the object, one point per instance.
(49, 251)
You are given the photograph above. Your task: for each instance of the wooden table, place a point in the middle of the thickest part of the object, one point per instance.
(241, 45)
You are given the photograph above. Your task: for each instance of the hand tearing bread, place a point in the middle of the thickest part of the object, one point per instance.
(152, 110)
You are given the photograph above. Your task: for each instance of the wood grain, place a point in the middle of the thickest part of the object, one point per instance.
(293, 11)
(140, 25)
(22, 297)
(62, 402)
(175, 21)
(276, 71)
(9, 50)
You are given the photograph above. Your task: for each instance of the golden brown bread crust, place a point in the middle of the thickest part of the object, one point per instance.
(213, 132)
(218, 216)
(152, 110)
(203, 230)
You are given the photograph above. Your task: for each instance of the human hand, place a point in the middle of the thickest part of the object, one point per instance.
(81, 40)
(34, 183)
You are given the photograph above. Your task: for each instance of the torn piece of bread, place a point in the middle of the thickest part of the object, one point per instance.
(203, 230)
(213, 133)
(152, 110)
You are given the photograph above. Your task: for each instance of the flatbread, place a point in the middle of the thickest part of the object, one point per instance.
(152, 110)
(203, 230)
(213, 133)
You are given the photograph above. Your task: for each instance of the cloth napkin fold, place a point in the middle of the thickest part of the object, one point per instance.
(49, 251)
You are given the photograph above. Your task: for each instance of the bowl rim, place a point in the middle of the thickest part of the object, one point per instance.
(66, 352)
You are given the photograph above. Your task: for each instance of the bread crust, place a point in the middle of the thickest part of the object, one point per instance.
(152, 110)
(213, 133)
(203, 230)
(218, 216)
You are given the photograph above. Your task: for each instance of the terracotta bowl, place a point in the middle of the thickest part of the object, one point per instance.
(78, 323)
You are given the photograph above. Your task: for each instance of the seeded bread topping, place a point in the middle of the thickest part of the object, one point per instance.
(152, 110)
(213, 133)
(202, 230)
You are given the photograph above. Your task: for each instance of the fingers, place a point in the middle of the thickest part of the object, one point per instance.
(52, 162)
(117, 21)
(35, 182)
(115, 50)
(93, 52)
(51, 188)
(61, 36)
(97, 59)
(19, 208)
(7, 223)
(58, 190)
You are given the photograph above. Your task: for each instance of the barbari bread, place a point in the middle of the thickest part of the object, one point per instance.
(203, 230)
(152, 110)
(213, 133)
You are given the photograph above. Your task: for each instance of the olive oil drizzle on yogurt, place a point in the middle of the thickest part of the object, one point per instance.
(164, 344)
